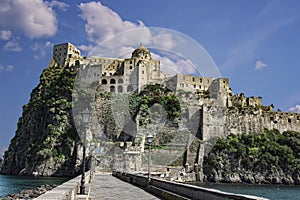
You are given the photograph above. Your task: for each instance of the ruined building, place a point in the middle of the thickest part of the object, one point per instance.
(235, 112)
(210, 100)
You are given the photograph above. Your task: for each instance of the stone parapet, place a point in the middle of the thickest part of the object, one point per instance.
(173, 190)
(68, 190)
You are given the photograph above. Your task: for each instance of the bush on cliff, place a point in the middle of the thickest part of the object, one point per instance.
(270, 157)
(46, 140)
(140, 107)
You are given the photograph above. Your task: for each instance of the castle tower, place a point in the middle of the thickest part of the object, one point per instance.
(63, 53)
(141, 53)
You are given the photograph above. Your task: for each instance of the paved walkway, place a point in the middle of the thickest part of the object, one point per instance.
(105, 186)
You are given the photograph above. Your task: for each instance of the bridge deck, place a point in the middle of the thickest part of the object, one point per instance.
(105, 186)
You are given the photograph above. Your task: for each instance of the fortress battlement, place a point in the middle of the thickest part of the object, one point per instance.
(243, 114)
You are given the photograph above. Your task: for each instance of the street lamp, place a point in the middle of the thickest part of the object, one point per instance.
(85, 119)
(149, 140)
(92, 167)
(126, 162)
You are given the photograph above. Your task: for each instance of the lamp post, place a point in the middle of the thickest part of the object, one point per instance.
(92, 151)
(85, 119)
(149, 140)
(126, 162)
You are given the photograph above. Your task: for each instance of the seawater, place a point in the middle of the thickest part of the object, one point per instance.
(273, 192)
(15, 184)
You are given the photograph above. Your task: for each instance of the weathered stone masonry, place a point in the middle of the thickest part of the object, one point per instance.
(224, 113)
(221, 111)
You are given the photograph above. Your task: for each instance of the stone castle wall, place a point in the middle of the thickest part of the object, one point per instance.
(222, 112)
(213, 109)
(255, 120)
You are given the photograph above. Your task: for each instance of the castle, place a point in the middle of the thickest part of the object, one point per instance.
(45, 139)
(221, 110)
(213, 108)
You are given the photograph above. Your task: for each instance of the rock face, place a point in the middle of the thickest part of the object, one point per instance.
(46, 141)
(268, 158)
(250, 176)
(30, 193)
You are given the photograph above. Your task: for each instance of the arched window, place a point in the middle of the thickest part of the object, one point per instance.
(104, 81)
(77, 62)
(112, 88)
(129, 88)
(120, 89)
(120, 80)
(112, 81)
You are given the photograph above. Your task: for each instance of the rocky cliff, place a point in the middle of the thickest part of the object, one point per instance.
(46, 142)
(268, 158)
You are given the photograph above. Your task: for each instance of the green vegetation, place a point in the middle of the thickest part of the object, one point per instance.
(47, 130)
(54, 95)
(151, 95)
(267, 152)
(110, 105)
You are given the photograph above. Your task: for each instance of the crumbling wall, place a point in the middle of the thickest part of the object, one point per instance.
(255, 120)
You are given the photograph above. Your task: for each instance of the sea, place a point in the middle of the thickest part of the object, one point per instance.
(273, 192)
(15, 184)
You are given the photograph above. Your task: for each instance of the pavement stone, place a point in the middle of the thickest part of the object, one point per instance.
(105, 186)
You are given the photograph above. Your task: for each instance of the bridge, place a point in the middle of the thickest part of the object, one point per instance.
(128, 181)
(106, 186)
(120, 185)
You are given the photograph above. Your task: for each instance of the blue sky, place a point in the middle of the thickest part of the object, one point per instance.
(254, 43)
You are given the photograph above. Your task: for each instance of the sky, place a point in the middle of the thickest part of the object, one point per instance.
(256, 44)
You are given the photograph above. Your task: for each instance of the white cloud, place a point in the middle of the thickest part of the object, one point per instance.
(2, 150)
(12, 46)
(164, 39)
(105, 26)
(5, 35)
(102, 22)
(246, 50)
(295, 109)
(260, 65)
(61, 5)
(33, 17)
(86, 48)
(1, 68)
(175, 65)
(41, 49)
(9, 68)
